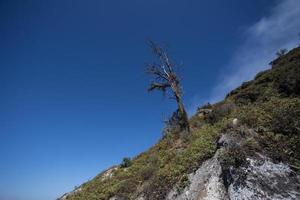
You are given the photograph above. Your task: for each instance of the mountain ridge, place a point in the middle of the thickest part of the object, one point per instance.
(256, 128)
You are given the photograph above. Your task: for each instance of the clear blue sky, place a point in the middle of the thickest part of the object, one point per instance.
(73, 83)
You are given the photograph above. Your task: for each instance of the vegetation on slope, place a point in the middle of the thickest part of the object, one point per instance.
(269, 104)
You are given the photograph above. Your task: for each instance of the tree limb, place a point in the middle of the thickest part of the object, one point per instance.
(159, 86)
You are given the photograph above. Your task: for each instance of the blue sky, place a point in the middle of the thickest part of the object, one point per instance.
(73, 82)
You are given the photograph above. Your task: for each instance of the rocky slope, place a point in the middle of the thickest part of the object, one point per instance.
(244, 147)
(259, 178)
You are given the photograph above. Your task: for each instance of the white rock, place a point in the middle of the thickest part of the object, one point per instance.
(235, 122)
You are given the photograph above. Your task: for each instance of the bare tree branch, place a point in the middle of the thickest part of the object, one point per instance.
(166, 77)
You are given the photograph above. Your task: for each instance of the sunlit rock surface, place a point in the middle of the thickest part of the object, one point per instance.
(261, 179)
(266, 180)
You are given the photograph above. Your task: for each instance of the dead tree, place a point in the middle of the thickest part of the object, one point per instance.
(166, 79)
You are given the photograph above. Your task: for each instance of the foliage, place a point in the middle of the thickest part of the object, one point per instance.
(286, 119)
(281, 52)
(201, 147)
(232, 156)
(219, 111)
(173, 124)
(126, 162)
(287, 80)
(205, 106)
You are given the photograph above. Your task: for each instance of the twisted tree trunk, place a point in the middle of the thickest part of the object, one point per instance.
(166, 78)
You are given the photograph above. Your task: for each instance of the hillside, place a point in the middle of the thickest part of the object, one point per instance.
(244, 147)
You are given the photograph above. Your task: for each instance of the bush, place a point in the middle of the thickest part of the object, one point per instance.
(286, 119)
(205, 106)
(231, 160)
(282, 148)
(254, 116)
(126, 162)
(263, 77)
(219, 112)
(196, 121)
(148, 171)
(126, 187)
(172, 125)
(281, 52)
(288, 81)
(183, 182)
(246, 97)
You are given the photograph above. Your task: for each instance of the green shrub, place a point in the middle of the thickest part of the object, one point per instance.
(219, 111)
(172, 125)
(232, 157)
(286, 119)
(246, 97)
(205, 106)
(254, 116)
(281, 52)
(261, 76)
(126, 162)
(183, 182)
(288, 81)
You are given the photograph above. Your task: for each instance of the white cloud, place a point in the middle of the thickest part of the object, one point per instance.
(279, 29)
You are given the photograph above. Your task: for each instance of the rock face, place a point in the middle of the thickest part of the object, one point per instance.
(260, 179)
(108, 173)
(266, 180)
(206, 183)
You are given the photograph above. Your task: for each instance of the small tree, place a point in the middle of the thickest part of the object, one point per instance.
(166, 78)
(126, 162)
(281, 52)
